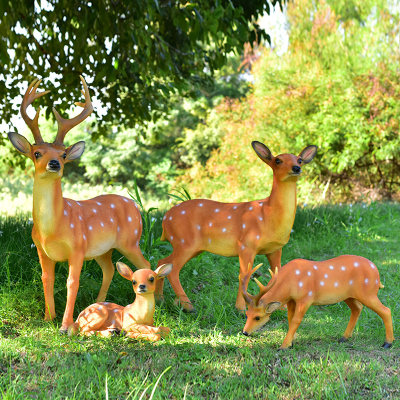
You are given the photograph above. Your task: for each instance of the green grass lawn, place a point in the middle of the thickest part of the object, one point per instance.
(205, 356)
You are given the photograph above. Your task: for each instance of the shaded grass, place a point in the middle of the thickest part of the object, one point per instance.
(209, 358)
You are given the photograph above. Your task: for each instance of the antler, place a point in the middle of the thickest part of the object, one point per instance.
(29, 97)
(65, 125)
(250, 299)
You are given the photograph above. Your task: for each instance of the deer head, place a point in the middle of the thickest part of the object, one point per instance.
(49, 158)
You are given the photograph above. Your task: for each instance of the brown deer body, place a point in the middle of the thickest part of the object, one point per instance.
(236, 229)
(136, 319)
(302, 283)
(66, 229)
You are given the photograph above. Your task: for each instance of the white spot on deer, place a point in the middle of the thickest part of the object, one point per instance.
(113, 322)
(244, 226)
(171, 238)
(72, 225)
(331, 267)
(130, 219)
(102, 224)
(229, 216)
(309, 273)
(106, 303)
(68, 203)
(80, 218)
(112, 205)
(183, 212)
(137, 243)
(297, 272)
(315, 267)
(111, 220)
(200, 204)
(99, 308)
(322, 283)
(300, 284)
(223, 229)
(98, 203)
(216, 210)
(136, 231)
(372, 266)
(94, 210)
(376, 281)
(260, 204)
(198, 227)
(84, 237)
(258, 237)
(350, 282)
(242, 246)
(326, 276)
(210, 224)
(343, 268)
(164, 217)
(336, 284)
(170, 218)
(125, 199)
(118, 228)
(79, 204)
(116, 310)
(356, 264)
(209, 240)
(182, 241)
(310, 293)
(90, 227)
(366, 280)
(250, 208)
(65, 212)
(260, 218)
(235, 207)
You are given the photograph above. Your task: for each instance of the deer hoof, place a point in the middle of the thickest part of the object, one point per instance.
(387, 345)
(186, 305)
(63, 331)
(159, 298)
(343, 339)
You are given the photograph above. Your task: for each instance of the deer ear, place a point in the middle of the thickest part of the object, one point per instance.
(75, 151)
(262, 151)
(308, 153)
(163, 270)
(124, 271)
(271, 307)
(20, 143)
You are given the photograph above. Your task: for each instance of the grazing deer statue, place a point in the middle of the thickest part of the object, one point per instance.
(65, 229)
(302, 283)
(136, 319)
(236, 229)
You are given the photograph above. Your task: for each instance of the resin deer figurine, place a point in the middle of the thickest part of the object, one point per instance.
(136, 319)
(66, 229)
(236, 229)
(302, 283)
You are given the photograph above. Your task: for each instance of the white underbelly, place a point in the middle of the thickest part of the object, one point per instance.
(99, 248)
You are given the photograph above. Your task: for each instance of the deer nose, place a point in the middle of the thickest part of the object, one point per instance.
(296, 169)
(54, 165)
(245, 333)
(142, 287)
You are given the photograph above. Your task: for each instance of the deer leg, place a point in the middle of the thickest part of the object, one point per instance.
(75, 267)
(299, 311)
(178, 260)
(356, 308)
(274, 259)
(146, 332)
(291, 306)
(375, 305)
(246, 257)
(135, 256)
(48, 266)
(108, 269)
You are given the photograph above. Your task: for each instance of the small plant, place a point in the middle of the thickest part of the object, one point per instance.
(183, 194)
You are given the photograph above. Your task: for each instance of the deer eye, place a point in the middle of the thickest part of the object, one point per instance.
(151, 279)
(257, 318)
(37, 154)
(278, 161)
(134, 283)
(64, 156)
(299, 160)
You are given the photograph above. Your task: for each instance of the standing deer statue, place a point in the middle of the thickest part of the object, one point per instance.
(66, 229)
(136, 319)
(302, 283)
(236, 229)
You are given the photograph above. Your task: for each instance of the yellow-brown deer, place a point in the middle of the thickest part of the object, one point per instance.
(136, 319)
(302, 283)
(236, 229)
(66, 229)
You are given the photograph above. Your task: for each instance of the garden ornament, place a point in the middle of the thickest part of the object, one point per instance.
(66, 229)
(136, 319)
(231, 229)
(302, 283)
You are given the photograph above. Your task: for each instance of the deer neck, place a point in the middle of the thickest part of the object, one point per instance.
(47, 204)
(283, 200)
(143, 308)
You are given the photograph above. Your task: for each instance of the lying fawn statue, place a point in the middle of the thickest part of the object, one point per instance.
(136, 319)
(302, 283)
(236, 229)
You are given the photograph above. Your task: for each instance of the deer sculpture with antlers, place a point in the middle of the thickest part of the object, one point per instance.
(66, 229)
(236, 229)
(136, 319)
(302, 283)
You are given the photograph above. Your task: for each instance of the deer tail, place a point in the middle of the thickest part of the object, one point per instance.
(380, 285)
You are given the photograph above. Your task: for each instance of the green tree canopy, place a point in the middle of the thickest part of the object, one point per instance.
(137, 52)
